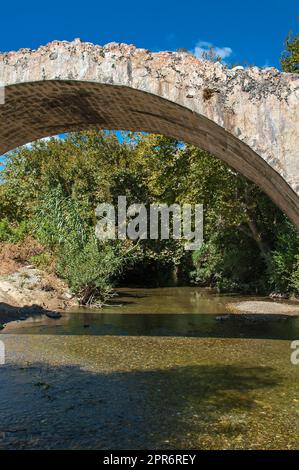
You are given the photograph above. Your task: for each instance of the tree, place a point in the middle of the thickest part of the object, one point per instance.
(290, 58)
(51, 190)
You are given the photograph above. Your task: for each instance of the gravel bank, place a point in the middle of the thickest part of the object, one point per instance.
(265, 307)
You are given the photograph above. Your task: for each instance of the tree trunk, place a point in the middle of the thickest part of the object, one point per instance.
(263, 247)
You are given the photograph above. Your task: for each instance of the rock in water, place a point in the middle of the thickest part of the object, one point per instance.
(53, 315)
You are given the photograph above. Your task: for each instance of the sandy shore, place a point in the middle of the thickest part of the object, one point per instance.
(265, 307)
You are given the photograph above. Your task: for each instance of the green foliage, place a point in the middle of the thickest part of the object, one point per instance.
(51, 190)
(41, 261)
(90, 270)
(230, 262)
(207, 261)
(20, 231)
(284, 272)
(294, 279)
(5, 230)
(13, 232)
(58, 218)
(87, 266)
(290, 58)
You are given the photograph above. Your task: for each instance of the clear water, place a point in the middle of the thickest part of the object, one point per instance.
(163, 370)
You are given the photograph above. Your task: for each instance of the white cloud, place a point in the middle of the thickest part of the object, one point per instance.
(203, 47)
(267, 63)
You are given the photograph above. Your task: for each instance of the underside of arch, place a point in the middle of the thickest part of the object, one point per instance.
(39, 109)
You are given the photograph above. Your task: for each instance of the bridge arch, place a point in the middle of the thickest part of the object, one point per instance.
(247, 118)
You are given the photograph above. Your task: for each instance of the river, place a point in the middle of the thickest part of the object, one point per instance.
(159, 369)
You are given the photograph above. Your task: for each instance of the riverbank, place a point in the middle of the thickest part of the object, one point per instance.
(265, 307)
(30, 291)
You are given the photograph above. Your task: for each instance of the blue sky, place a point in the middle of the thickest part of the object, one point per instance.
(243, 31)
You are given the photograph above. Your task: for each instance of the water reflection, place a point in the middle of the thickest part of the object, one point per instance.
(188, 325)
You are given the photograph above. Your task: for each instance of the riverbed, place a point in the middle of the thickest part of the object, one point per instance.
(159, 369)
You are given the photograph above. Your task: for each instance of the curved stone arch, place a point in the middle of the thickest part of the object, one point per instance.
(247, 118)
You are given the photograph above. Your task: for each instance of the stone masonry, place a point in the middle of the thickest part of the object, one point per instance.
(249, 118)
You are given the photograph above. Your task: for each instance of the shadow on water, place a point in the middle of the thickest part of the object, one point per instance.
(161, 324)
(179, 407)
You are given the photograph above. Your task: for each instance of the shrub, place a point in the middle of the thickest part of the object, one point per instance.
(13, 233)
(42, 260)
(87, 265)
(229, 262)
(284, 266)
(5, 230)
(89, 270)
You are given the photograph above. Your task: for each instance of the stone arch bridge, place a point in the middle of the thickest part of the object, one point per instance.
(249, 118)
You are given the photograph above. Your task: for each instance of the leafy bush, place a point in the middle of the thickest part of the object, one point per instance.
(87, 265)
(295, 277)
(5, 230)
(89, 270)
(20, 231)
(284, 268)
(229, 262)
(13, 233)
(42, 260)
(58, 218)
